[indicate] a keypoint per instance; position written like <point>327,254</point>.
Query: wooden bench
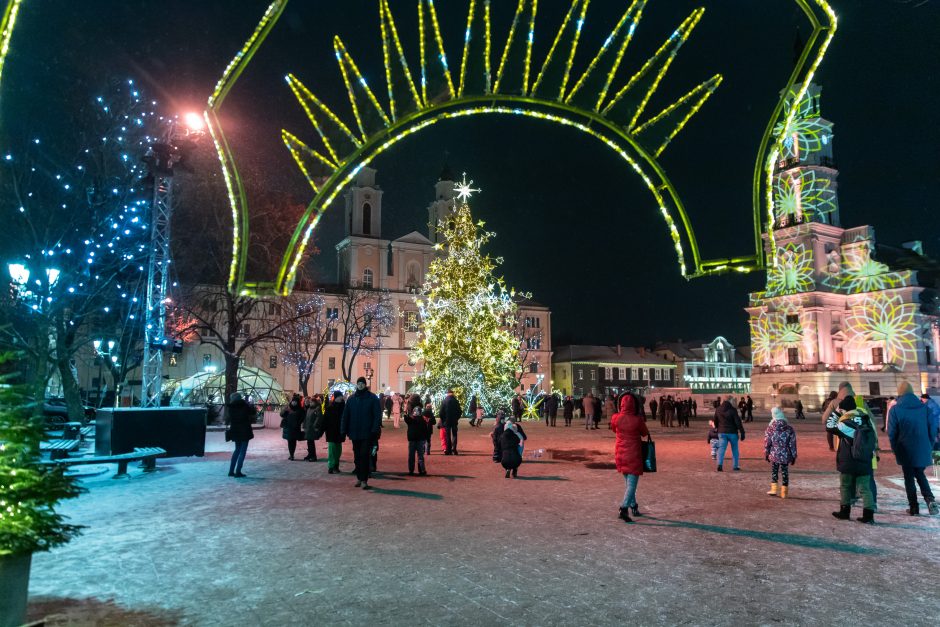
<point>146,455</point>
<point>58,449</point>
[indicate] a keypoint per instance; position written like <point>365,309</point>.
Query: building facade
<point>716,367</point>
<point>368,263</point>
<point>836,306</point>
<point>579,369</point>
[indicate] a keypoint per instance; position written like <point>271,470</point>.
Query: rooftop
<point>608,355</point>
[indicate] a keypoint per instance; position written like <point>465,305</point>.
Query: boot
<point>783,491</point>
<point>844,512</point>
<point>914,509</point>
<point>868,517</point>
<point>625,515</point>
<point>773,489</point>
<point>933,508</point>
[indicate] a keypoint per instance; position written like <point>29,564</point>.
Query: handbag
<point>649,454</point>
<point>228,435</point>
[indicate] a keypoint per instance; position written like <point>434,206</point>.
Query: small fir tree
<point>29,492</point>
<point>467,314</point>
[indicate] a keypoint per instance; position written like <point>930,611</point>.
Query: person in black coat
<point>239,414</point>
<point>551,409</point>
<point>450,416</point>
<point>332,419</point>
<point>847,423</point>
<point>510,444</point>
<point>495,435</point>
<point>362,422</point>
<point>419,430</point>
<point>568,410</point>
<point>292,420</point>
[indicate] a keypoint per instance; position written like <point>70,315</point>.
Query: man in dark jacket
<point>362,421</point>
<point>847,424</point>
<point>551,409</point>
<point>419,430</point>
<point>332,423</point>
<point>450,415</point>
<point>912,433</point>
<point>749,409</point>
<point>728,424</point>
<point>240,415</point>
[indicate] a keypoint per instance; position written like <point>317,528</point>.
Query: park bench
<point>146,455</point>
<point>59,449</point>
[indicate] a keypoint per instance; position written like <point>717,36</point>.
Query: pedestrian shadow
<point>549,478</point>
<point>401,476</point>
<point>790,539</point>
<point>430,496</point>
<point>935,530</point>
<point>89,611</point>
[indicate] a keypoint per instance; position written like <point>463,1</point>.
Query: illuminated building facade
<point>836,306</point>
<point>579,369</point>
<point>716,367</point>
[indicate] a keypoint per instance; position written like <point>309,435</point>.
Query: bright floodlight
<point>194,121</point>
<point>19,273</point>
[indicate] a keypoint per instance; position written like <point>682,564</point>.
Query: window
<point>877,355</point>
<point>244,330</point>
<point>367,278</point>
<point>334,333</point>
<point>580,374</point>
<point>643,376</point>
<point>532,322</point>
<point>272,361</point>
<point>274,309</point>
<point>793,356</point>
<point>332,313</point>
<point>534,367</point>
<point>607,373</point>
<point>533,343</point>
<point>367,366</point>
<point>793,318</point>
<point>622,374</point>
<point>331,364</point>
<point>411,321</point>
<point>634,374</point>
<point>593,375</point>
<point>874,388</point>
<point>366,219</point>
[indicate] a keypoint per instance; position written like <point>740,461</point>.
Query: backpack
<point>863,446</point>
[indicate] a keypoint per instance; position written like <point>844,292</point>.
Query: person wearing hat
<point>779,451</point>
<point>332,419</point>
<point>450,415</point>
<point>362,421</point>
<point>912,432</point>
<point>239,415</point>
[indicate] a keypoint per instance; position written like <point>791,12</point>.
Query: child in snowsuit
<point>712,438</point>
<point>780,451</point>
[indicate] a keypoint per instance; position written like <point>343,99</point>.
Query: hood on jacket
<point>910,401</point>
<point>777,414</point>
<point>628,404</point>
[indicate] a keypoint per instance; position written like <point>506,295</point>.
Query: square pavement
<point>292,545</point>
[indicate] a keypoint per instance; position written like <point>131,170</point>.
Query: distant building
<point>580,369</point>
<point>716,367</point>
<point>837,306</point>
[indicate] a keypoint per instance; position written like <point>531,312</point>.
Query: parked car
<point>56,411</point>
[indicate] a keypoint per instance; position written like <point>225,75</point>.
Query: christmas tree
<point>28,492</point>
<point>467,314</point>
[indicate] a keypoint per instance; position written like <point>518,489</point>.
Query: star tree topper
<point>464,189</point>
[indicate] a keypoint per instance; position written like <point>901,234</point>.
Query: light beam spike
<point>304,95</point>
<point>664,58</point>
<point>347,64</point>
<point>520,6</point>
<point>442,55</point>
<point>297,148</point>
<point>632,17</point>
<point>692,100</point>
<point>562,31</point>
<point>389,38</point>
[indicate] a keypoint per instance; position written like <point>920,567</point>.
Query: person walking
<point>239,414</point>
<point>662,411</point>
<point>598,408</point>
<point>472,410</point>
<point>629,428</point>
<point>912,433</point>
<point>332,430</point>
<point>653,406</point>
<point>313,426</point>
<point>511,447</point>
<point>749,408</point>
<point>588,401</point>
<point>292,421</point>
<point>798,406</point>
<point>609,408</point>
<point>780,451</point>
<point>418,428</point>
<point>729,427</point>
<point>568,410</point>
<point>397,402</point>
<point>551,409</point>
<point>517,406</point>
<point>362,421</point>
<point>827,407</point>
<point>450,416</point>
<point>853,457</point>
<point>694,405</point>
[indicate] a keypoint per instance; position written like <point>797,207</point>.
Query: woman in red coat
<point>629,426</point>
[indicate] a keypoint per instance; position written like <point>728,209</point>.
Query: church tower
<point>363,217</point>
<point>443,204</point>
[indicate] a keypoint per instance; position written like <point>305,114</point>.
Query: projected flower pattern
<point>793,271</point>
<point>803,194</point>
<point>885,321</point>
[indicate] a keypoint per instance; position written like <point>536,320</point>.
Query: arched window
<point>367,278</point>
<point>366,219</point>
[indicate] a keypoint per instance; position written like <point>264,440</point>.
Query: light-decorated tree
<point>467,313</point>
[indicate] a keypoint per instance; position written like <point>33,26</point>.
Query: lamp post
<point>100,355</point>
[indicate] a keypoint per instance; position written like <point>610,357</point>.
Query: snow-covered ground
<point>464,546</point>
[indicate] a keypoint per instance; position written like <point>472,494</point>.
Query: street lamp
<point>100,355</point>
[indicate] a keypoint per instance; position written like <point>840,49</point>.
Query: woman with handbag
<point>629,427</point>
<point>313,426</point>
<point>292,421</point>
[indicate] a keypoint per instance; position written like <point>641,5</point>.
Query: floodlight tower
<point>163,155</point>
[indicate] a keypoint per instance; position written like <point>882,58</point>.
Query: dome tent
<point>256,385</point>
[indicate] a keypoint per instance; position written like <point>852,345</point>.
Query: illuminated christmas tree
<point>467,313</point>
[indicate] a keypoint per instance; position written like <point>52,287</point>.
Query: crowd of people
<point>911,423</point>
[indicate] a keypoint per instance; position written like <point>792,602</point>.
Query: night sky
<point>576,228</point>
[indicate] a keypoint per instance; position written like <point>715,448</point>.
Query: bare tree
<point>530,342</point>
<point>308,327</point>
<point>366,316</point>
